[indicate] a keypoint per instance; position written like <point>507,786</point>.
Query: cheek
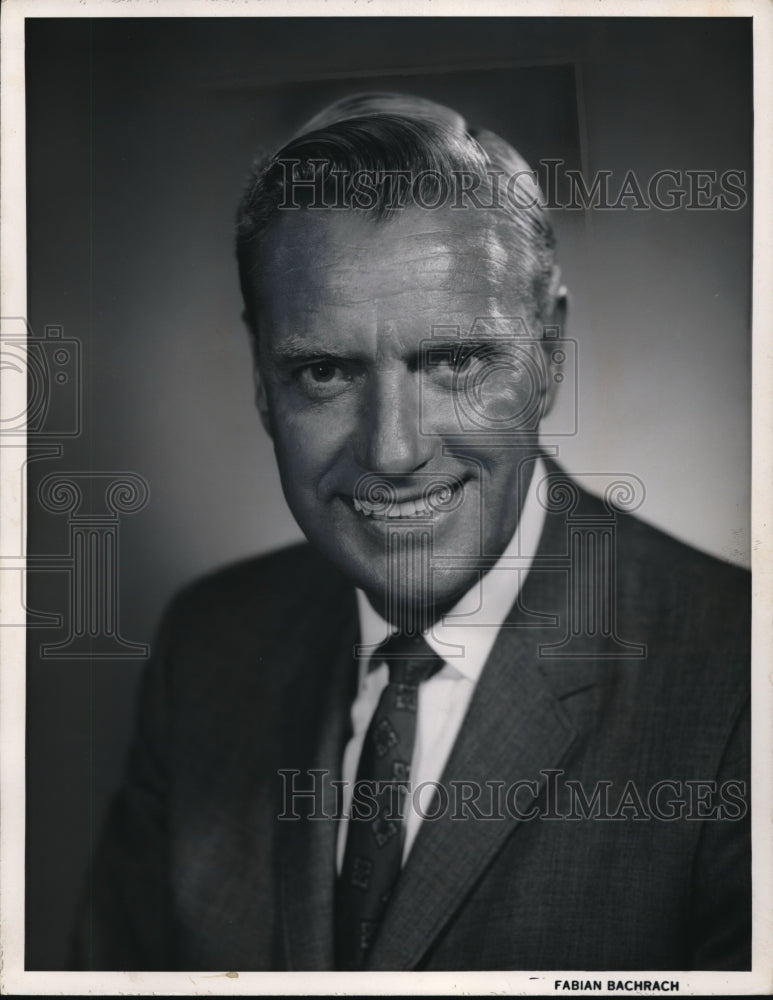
<point>307,443</point>
<point>502,397</point>
<point>440,412</point>
<point>300,449</point>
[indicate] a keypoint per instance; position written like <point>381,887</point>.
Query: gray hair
<point>382,137</point>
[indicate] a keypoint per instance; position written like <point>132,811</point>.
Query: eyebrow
<point>469,343</point>
<point>296,350</point>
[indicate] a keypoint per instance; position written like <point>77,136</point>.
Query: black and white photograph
<point>385,445</point>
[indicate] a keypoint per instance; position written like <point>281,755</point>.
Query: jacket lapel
<point>514,730</point>
<point>318,703</point>
<point>522,721</point>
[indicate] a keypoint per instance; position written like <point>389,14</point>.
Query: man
<point>484,720</point>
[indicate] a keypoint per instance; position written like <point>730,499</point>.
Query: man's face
<point>366,397</point>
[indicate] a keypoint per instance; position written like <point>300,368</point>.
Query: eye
<point>467,357</point>
<point>463,358</point>
<point>322,379</point>
<point>323,371</point>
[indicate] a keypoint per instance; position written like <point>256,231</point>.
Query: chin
<point>411,602</point>
<point>408,586</point>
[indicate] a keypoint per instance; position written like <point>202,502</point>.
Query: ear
<point>556,321</point>
<point>261,398</point>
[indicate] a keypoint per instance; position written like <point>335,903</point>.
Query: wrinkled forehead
<point>339,259</point>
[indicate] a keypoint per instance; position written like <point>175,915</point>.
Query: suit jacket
<point>253,675</point>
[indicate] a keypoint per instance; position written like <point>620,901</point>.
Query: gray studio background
<point>139,136</point>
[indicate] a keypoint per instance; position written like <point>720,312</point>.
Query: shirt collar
<point>465,635</point>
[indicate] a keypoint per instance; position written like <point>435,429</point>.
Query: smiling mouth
<point>430,503</point>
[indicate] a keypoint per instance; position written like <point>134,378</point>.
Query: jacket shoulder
<point>275,578</point>
<point>678,575</point>
<point>249,627</point>
<point>649,557</point>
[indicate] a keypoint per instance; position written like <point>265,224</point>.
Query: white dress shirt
<point>463,638</point>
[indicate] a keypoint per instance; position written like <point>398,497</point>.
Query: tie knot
<point>410,658</point>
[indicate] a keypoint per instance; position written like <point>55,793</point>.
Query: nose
<point>390,439</point>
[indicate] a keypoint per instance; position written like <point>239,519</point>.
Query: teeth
<point>408,508</point>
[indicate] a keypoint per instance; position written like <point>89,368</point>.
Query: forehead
<point>440,266</point>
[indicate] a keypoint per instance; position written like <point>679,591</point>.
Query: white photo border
<point>13,978</point>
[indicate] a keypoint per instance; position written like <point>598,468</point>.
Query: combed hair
<point>382,135</point>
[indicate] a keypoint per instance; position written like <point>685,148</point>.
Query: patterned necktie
<point>374,840</point>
